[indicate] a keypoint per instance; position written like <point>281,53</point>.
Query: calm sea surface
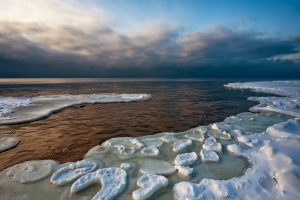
<point>176,105</point>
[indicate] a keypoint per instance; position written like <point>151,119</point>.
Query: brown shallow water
<point>69,134</point>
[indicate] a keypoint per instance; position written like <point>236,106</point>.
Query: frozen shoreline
<point>15,110</point>
<point>272,153</point>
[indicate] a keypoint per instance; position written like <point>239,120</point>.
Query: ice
<point>150,151</point>
<point>113,182</point>
<point>149,184</point>
<point>285,88</point>
<point>208,155</point>
<point>8,142</point>
<point>183,161</point>
<point>24,109</point>
<point>274,173</point>
<point>169,138</point>
<point>32,171</point>
<point>234,149</point>
<point>72,171</point>
<point>285,130</point>
<point>195,135</point>
<point>137,143</point>
<point>127,166</point>
<point>211,144</point>
<point>156,167</point>
<point>157,142</point>
<point>181,145</point>
<point>10,104</point>
<point>186,159</point>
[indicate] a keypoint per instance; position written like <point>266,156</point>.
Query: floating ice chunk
<point>121,148</point>
<point>149,183</point>
<point>72,171</point>
<point>8,142</point>
<point>184,170</point>
<point>32,171</point>
<point>215,127</point>
<point>156,167</point>
<point>137,143</point>
<point>157,142</point>
<point>186,159</point>
<point>127,166</point>
<point>211,144</point>
<point>181,145</point>
<point>113,181</point>
<point>208,155</point>
<point>150,151</point>
<point>182,161</point>
<point>169,138</point>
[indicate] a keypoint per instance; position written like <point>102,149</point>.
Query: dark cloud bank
<point>27,50</point>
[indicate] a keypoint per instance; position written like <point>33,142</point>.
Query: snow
<point>113,182</point>
<point>24,109</point>
<point>211,144</point>
<point>208,155</point>
<point>31,171</point>
<point>137,143</point>
<point>149,184</point>
<point>72,172</point>
<point>182,145</point>
<point>150,151</point>
<point>183,161</point>
<point>186,159</point>
<point>8,142</point>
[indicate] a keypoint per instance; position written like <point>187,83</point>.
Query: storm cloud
<point>87,44</point>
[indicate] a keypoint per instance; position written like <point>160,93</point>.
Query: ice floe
<point>211,144</point>
<point>149,184</point>
<point>113,182</point>
<point>32,171</point>
<point>208,155</point>
<point>72,171</point>
<point>8,142</point>
<point>25,109</point>
<point>150,151</point>
<point>182,145</point>
<point>183,161</point>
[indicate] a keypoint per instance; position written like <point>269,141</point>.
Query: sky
<point>153,38</point>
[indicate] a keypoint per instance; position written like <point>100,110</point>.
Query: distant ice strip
<point>284,88</point>
<point>289,105</point>
<point>25,109</point>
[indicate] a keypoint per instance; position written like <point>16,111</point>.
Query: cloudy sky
<point>153,38</point>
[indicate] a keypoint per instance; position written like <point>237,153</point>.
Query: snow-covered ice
<point>208,155</point>
<point>113,182</point>
<point>183,161</point>
<point>72,171</point>
<point>211,144</point>
<point>150,151</point>
<point>149,184</point>
<point>25,109</point>
<point>8,142</point>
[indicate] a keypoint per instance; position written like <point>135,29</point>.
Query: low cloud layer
<point>72,42</point>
